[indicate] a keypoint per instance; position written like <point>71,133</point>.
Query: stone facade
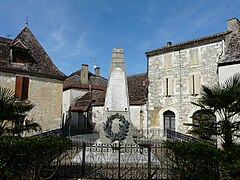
<point>175,78</point>
<point>45,94</point>
<point>26,68</point>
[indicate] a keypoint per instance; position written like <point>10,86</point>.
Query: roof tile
<point>37,61</point>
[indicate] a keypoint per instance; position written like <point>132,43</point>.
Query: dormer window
<point>18,52</point>
<point>18,57</point>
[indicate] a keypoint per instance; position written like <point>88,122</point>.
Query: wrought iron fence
<point>144,160</point>
<point>176,136</point>
<point>105,161</point>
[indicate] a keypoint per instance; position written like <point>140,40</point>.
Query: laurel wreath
<point>123,128</point>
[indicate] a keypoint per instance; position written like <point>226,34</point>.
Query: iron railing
<point>106,161</point>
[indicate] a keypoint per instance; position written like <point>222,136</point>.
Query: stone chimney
<point>233,24</point>
<point>84,74</point>
<point>97,71</point>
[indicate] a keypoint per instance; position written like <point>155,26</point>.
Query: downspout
<point>180,88</point>
<point>147,104</point>
<point>221,54</point>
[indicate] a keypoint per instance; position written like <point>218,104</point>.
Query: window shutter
<point>168,61</point>
<point>25,88</point>
<point>197,84</point>
<point>193,56</point>
<point>18,87</point>
<point>165,87</point>
<point>191,83</point>
<point>170,86</point>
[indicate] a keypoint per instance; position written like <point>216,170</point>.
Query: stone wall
<point>180,70</point>
<point>45,94</point>
<point>7,80</point>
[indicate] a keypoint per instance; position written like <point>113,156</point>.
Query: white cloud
<point>79,47</point>
<point>57,39</point>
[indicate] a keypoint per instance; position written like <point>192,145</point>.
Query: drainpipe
<point>180,88</point>
<point>147,104</point>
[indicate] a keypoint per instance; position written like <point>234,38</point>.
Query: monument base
<point>101,153</point>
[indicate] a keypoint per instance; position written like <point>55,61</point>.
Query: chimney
<point>169,43</point>
<point>97,71</point>
<point>233,24</point>
<point>84,74</point>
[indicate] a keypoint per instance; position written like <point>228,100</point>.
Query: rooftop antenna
<point>95,62</point>
<point>26,22</point>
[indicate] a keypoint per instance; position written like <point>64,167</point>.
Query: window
<point>169,120</point>
<point>194,85</point>
<point>18,57</point>
<point>21,87</point>
<point>193,53</point>
<point>169,86</point>
<point>168,61</point>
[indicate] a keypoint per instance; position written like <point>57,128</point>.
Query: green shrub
<point>27,158</point>
<point>193,160</point>
<point>230,163</point>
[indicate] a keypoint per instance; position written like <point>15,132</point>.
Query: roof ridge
<point>219,34</point>
<point>136,74</point>
<point>20,33</point>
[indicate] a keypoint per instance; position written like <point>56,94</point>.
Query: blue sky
<point>75,32</point>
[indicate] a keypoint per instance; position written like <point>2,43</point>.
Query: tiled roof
<point>4,40</point>
<point>187,44</point>
<point>93,80</point>
<point>137,90</point>
<point>232,53</point>
<point>37,61</point>
<point>83,103</point>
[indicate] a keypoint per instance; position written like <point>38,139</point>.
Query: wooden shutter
<point>170,86</point>
<point>191,85</point>
<point>168,61</point>
<point>164,81</point>
<point>21,87</point>
<point>197,84</point>
<point>25,88</point>
<point>193,56</point>
<point>18,87</point>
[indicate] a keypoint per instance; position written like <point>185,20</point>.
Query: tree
<point>13,114</point>
<point>223,100</point>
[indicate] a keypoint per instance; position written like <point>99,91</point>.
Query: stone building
<point>84,96</point>
<point>177,71</point>
<point>27,69</point>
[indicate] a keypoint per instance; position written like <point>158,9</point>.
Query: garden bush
<point>193,160</point>
<point>30,157</point>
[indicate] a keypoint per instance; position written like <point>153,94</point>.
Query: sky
<point>76,32</point>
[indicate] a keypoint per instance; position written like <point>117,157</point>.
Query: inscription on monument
<point>116,97</point>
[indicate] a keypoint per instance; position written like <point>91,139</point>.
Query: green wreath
<point>123,128</point>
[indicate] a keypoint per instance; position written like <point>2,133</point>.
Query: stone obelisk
<point>117,126</point>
